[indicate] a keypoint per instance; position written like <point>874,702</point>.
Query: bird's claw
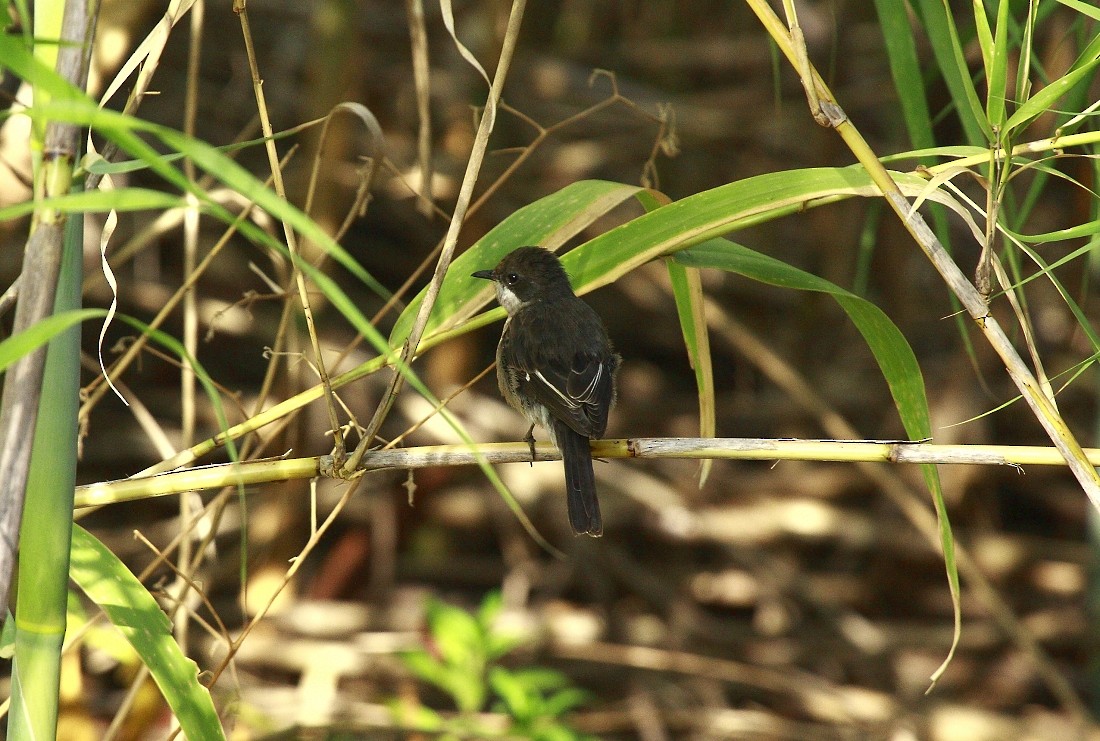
<point>530,440</point>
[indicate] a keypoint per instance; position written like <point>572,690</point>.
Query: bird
<point>556,366</point>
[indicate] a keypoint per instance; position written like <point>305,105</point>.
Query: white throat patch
<point>508,299</point>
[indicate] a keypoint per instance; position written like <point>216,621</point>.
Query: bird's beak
<point>486,274</point>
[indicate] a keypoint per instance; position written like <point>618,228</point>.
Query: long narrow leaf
<point>135,613</point>
<point>901,50</point>
<point>71,105</point>
<point>1045,99</point>
<point>687,288</point>
<point>1082,7</point>
<point>97,201</point>
<point>997,67</point>
<point>34,337</point>
<point>894,356</point>
<point>942,34</point>
<point>985,36</point>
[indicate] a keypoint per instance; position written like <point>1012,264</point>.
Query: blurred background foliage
<point>788,601</point>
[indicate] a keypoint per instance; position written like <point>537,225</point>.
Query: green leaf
<point>512,691</point>
<point>45,538</point>
<point>901,51</point>
<point>567,699</point>
<point>16,56</point>
<point>499,644</point>
<point>1044,100</point>
<point>425,666</point>
<point>7,636</point>
<point>939,27</point>
<point>490,609</point>
<point>456,633</point>
<point>100,166</point>
<point>687,288</point>
<point>539,679</point>
<point>132,610</point>
<point>548,222</point>
<point>985,36</point>
<point>42,332</point>
<point>459,641</point>
<point>417,717</point>
<point>894,356</point>
<point>123,199</point>
<point>1082,7</point>
<point>997,65</point>
<point>73,106</point>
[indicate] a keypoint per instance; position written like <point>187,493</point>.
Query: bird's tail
<point>580,481</point>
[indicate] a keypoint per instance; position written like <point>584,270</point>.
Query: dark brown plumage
<point>556,366</point>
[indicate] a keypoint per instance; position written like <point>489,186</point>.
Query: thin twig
<point>465,195</point>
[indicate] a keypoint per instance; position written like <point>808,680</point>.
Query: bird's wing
<point>578,394</point>
<point>574,381</point>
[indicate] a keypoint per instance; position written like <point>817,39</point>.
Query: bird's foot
<point>530,439</point>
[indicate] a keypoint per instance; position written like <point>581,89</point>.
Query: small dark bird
<point>556,366</point>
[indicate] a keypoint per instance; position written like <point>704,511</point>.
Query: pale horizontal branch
<point>267,471</point>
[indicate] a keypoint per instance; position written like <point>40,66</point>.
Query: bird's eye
<point>511,279</point>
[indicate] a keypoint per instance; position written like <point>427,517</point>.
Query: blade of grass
<point>687,288</point>
<point>901,51</point>
<point>939,27</point>
<point>996,62</point>
<point>131,609</point>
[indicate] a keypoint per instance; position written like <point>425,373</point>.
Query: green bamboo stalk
<point>38,411</point>
<point>54,155</point>
<point>47,522</point>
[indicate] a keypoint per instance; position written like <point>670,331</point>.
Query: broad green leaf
<point>541,679</point>
<point>548,222</point>
<point>132,610</point>
<point>565,700</point>
<point>512,691</point>
<point>455,632</point>
<point>416,717</point>
<point>894,356</point>
<point>719,211</point>
<point>425,666</point>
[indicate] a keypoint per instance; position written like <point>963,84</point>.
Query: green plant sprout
<point>463,659</point>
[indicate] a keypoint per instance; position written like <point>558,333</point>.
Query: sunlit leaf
<point>131,609</point>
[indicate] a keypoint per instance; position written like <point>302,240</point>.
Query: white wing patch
<point>584,397</point>
<point>566,400</point>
